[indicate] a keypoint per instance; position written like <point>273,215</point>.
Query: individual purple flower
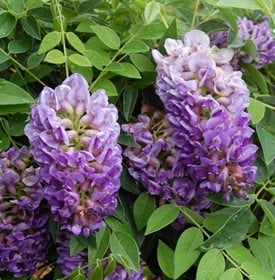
<point>205,101</point>
<point>24,233</point>
<point>73,137</point>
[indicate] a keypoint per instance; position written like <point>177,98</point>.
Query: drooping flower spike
<point>205,101</point>
<point>24,232</point>
<point>73,137</point>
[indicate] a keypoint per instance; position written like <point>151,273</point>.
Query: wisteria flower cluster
<point>24,232</point>
<point>152,162</point>
<point>68,263</point>
<point>73,137</point>
<point>259,33</point>
<point>205,101</point>
<point>203,144</point>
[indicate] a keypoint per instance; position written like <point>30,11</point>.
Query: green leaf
<point>110,267</point>
<point>234,202</point>
<point>129,70</point>
<point>271,191</point>
<point>31,27</point>
<point>95,58</point>
<point>244,4</point>
<point>230,17</point>
<point>17,124</point>
<point>192,216</point>
<point>80,60</point>
<point>151,11</point>
<point>96,273</point>
<point>4,141</point>
<point>257,77</point>
<point>142,63</point>
<point>7,24</point>
<point>124,69</point>
<point>124,245</point>
<point>257,110</point>
<point>240,254</point>
<point>54,228</point>
<point>50,41</point>
<point>102,242</point>
<point>251,49</point>
<point>143,208</point>
<point>232,274</point>
<point>269,210</point>
<point>161,217</point>
<point>165,257</point>
<point>130,95</point>
<point>261,254</point>
<point>126,140</point>
<point>55,57</point>
<point>149,31</point>
<point>11,94</point>
<point>128,183</point>
<point>266,133</point>
<point>211,266</point>
<point>233,231</point>
<point>12,109</point>
<point>3,57</point>
<point>256,272</point>
<point>269,242</point>
<point>79,277</point>
<point>17,6</point>
<point>266,226</point>
<point>107,36</point>
<point>186,252</point>
<point>118,226</point>
<point>135,46</point>
<point>75,41</point>
<point>114,67</point>
<point>214,221</point>
<point>76,245</point>
<point>34,60</point>
<point>212,25</point>
<point>19,46</point>
<point>171,32</point>
<point>107,85</point>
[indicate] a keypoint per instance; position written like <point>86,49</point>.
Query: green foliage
<point>211,266</point>
<point>161,217</point>
<point>110,43</point>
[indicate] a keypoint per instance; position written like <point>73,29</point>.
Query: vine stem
<point>197,4</point>
<point>208,236</point>
<point>22,67</point>
<point>104,71</point>
<point>61,24</point>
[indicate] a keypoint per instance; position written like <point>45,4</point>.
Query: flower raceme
<point>73,137</point>
<point>205,101</point>
<point>24,232</point>
<point>152,162</point>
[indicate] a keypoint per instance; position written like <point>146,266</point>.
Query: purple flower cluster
<point>205,101</point>
<point>73,137</point>
<point>68,263</point>
<point>152,162</point>
<point>259,33</point>
<point>24,234</point>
